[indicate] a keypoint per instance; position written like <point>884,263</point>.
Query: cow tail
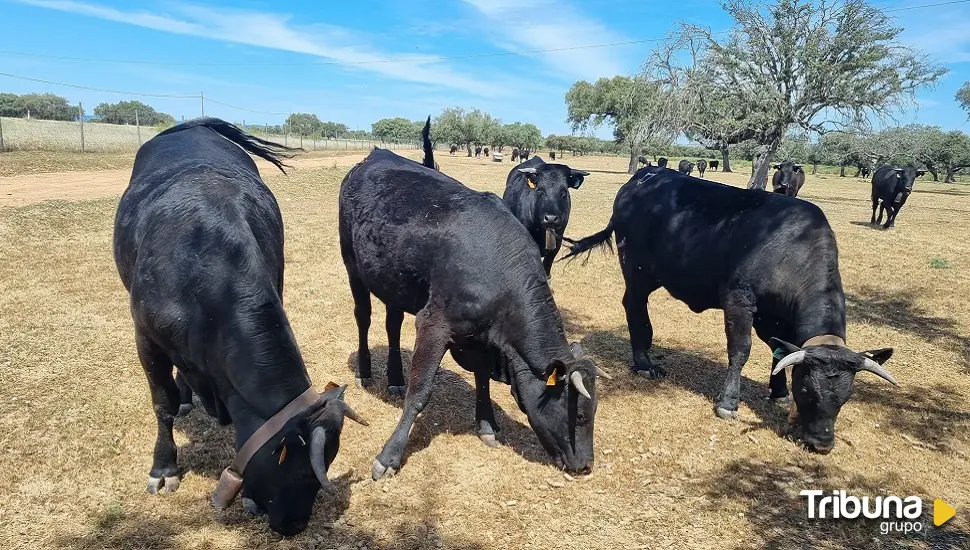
<point>588,244</point>
<point>268,150</point>
<point>428,148</point>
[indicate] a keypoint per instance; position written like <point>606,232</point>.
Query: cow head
<point>551,183</point>
<point>662,162</point>
<point>821,382</point>
<point>283,477</point>
<point>905,179</point>
<point>562,414</point>
<point>784,180</point>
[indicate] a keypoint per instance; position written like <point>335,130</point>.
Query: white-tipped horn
<point>352,414</point>
<point>527,170</point>
<point>789,360</point>
<point>603,373</point>
<point>576,379</point>
<point>876,368</point>
<point>318,461</point>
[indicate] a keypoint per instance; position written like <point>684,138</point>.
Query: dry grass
<point>77,430</point>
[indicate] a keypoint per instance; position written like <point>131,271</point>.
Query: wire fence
<point>23,134</point>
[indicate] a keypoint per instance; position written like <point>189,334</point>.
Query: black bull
<point>770,262</point>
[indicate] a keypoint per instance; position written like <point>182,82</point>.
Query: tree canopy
<point>466,128</point>
<point>398,129</point>
<point>963,97</point>
<point>123,112</point>
<point>40,106</point>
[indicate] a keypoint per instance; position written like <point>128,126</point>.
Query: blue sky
<point>327,56</point>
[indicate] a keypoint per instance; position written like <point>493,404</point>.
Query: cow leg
<point>875,205</point>
<point>549,257</point>
<point>395,369</point>
<point>778,385</point>
<point>882,209</point>
<point>429,347</point>
<point>641,333</point>
<point>185,394</point>
<point>891,216</point>
<point>738,320</point>
<point>484,412</point>
<point>164,475</point>
<point>362,315</point>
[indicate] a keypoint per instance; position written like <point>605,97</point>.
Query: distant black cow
<point>552,155</point>
<point>478,151</point>
<point>662,162</point>
<point>865,171</point>
<point>712,165</point>
<point>459,261</point>
<point>768,261</point>
<point>537,193</point>
<point>524,155</point>
<point>642,161</point>
<point>685,167</point>
<point>485,151</point>
<point>198,242</point>
<point>454,149</point>
<point>701,167</point>
<point>890,189</point>
<point>788,179</point>
<point>515,154</point>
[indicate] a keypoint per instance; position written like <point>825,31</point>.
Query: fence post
<point>80,117</point>
<point>202,98</point>
<point>137,127</point>
<point>1,135</point>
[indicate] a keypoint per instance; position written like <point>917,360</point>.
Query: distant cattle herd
<point>198,243</point>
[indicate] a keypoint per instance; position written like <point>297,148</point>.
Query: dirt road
<point>71,186</point>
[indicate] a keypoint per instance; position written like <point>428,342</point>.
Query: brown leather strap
<point>272,427</point>
<point>824,340</point>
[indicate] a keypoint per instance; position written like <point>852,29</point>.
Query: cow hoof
<point>251,508</point>
<point>650,373</point>
<point>488,439</point>
<point>362,382</point>
<point>399,391</point>
<point>783,400</point>
<point>184,409</point>
<point>378,471</point>
<point>159,485</point>
<point>726,414</point>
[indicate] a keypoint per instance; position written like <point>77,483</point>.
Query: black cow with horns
<point>767,260</point>
<point>198,241</point>
<point>537,193</point>
<point>413,237</point>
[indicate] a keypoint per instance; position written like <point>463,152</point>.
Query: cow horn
<point>603,373</point>
<point>789,360</point>
<point>527,170</point>
<point>318,459</point>
<point>352,414</point>
<point>576,379</point>
<point>876,368</point>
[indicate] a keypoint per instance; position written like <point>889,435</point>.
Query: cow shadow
<point>769,494</point>
<point>868,225</point>
<point>948,192</point>
<point>693,372</point>
<point>614,172</point>
<point>451,409</point>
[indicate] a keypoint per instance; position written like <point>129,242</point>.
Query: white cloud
<point>274,31</point>
<point>558,26</point>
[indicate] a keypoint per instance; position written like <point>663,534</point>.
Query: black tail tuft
<point>587,244</point>
<point>268,150</point>
<point>428,147</point>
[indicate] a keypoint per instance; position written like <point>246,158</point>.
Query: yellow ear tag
<point>331,385</point>
<point>282,455</point>
<point>532,184</point>
<point>551,381</point>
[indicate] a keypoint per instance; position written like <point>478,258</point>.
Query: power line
<point>236,107</point>
<point>927,6</point>
<point>369,62</point>
<point>79,87</point>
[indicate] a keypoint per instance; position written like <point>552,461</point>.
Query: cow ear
<point>555,373</point>
<point>776,166</point>
<point>576,178</point>
<point>781,347</point>
<point>879,355</point>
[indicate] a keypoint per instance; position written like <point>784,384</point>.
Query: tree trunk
<point>725,160</point>
<point>814,168</point>
<point>934,173</point>
<point>950,172</point>
<point>633,162</point>
<point>858,170</point>
<point>762,164</point>
<point>842,171</point>
<point>468,147</point>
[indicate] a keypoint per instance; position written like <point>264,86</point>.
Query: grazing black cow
<point>454,149</point>
<point>642,160</point>
<point>413,237</point>
<point>865,171</point>
<point>524,155</point>
<point>712,165</point>
<point>788,179</point>
<point>485,151</point>
<point>768,261</point>
<point>890,189</point>
<point>478,151</point>
<point>198,242</point>
<point>537,193</point>
<point>515,154</point>
<point>701,167</point>
<point>685,167</point>
<point>552,155</point>
<point>662,162</point>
